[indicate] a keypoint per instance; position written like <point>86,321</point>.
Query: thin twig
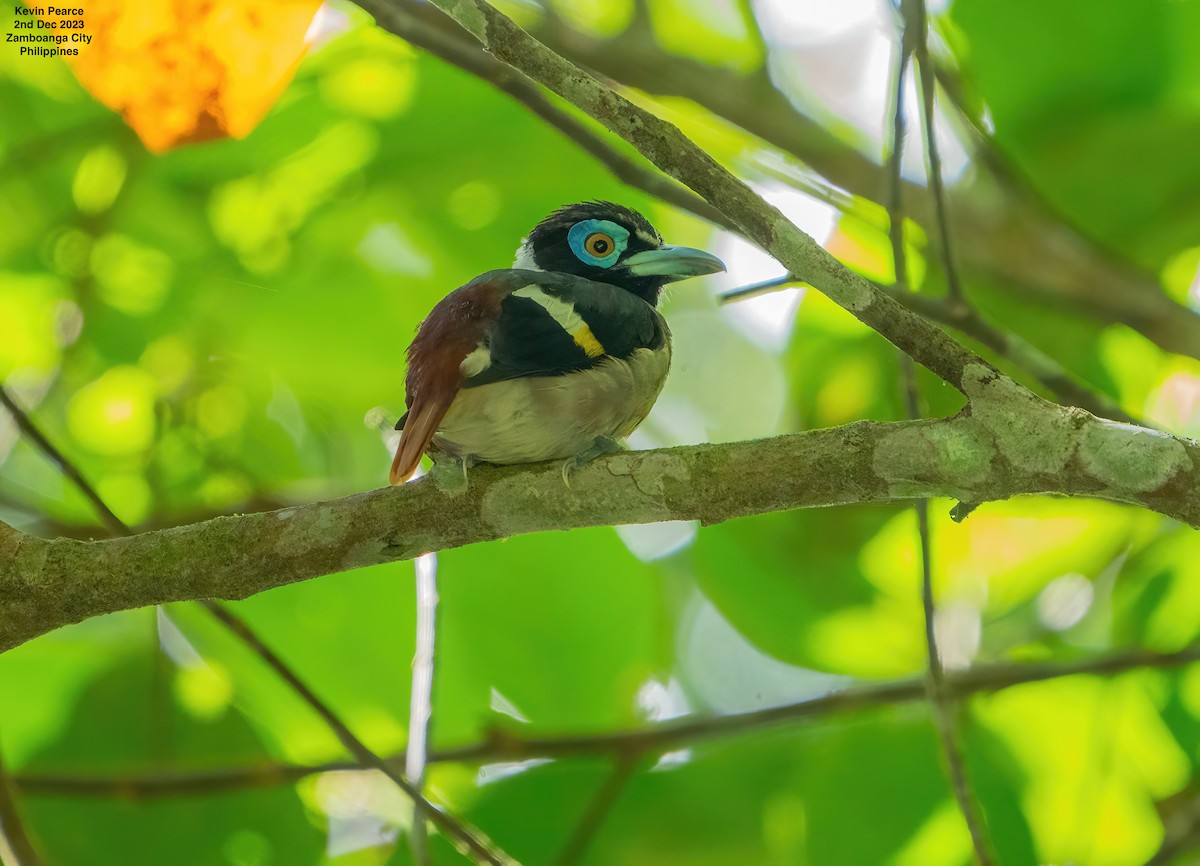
<point>15,842</point>
<point>757,290</point>
<point>35,435</point>
<point>421,702</point>
<point>916,35</point>
<point>483,850</point>
<point>597,810</point>
<point>895,206</point>
<point>943,705</point>
<point>653,740</point>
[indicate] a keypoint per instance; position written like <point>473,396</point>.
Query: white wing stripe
<point>561,311</point>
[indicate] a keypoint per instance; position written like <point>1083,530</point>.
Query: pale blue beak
<point>675,263</point>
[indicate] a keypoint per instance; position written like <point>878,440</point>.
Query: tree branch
<point>653,740</point>
<point>425,26</point>
<point>1005,236</point>
<point>471,840</point>
<point>668,148</point>
<point>1008,443</point>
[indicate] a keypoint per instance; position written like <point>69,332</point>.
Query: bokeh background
<point>207,331</point>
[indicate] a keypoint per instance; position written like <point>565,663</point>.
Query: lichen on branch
<point>1006,443</point>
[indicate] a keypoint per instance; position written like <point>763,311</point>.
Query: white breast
<point>550,417</point>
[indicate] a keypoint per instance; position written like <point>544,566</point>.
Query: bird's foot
<point>601,446</point>
<point>450,472</point>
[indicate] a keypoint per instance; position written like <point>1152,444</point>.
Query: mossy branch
<point>1008,442</point>
<point>674,153</point>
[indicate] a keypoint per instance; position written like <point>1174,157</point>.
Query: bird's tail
<point>420,425</point>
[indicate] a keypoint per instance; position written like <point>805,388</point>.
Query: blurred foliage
<point>204,332</point>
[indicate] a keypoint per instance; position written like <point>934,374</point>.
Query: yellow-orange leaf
<point>190,70</point>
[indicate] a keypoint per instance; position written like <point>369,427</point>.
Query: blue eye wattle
<point>598,242</point>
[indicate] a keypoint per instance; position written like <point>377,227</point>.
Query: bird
<point>560,356</point>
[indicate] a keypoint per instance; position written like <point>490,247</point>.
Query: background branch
<point>480,848</point>
<point>912,43</point>
<point>944,705</point>
<point>916,37</point>
<point>34,434</point>
<point>668,148</point>
<point>1006,236</point>
<point>421,699</point>
<point>657,739</point>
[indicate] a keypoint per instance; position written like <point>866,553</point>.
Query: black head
<point>611,244</point>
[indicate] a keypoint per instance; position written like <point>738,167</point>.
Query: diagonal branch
<point>426,27</point>
<point>481,849</point>
<point>429,28</point>
<point>1006,237</point>
<point>34,434</point>
<point>1009,443</point>
<point>669,149</point>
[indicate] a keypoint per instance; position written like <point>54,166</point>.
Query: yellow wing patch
<point>586,340</point>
